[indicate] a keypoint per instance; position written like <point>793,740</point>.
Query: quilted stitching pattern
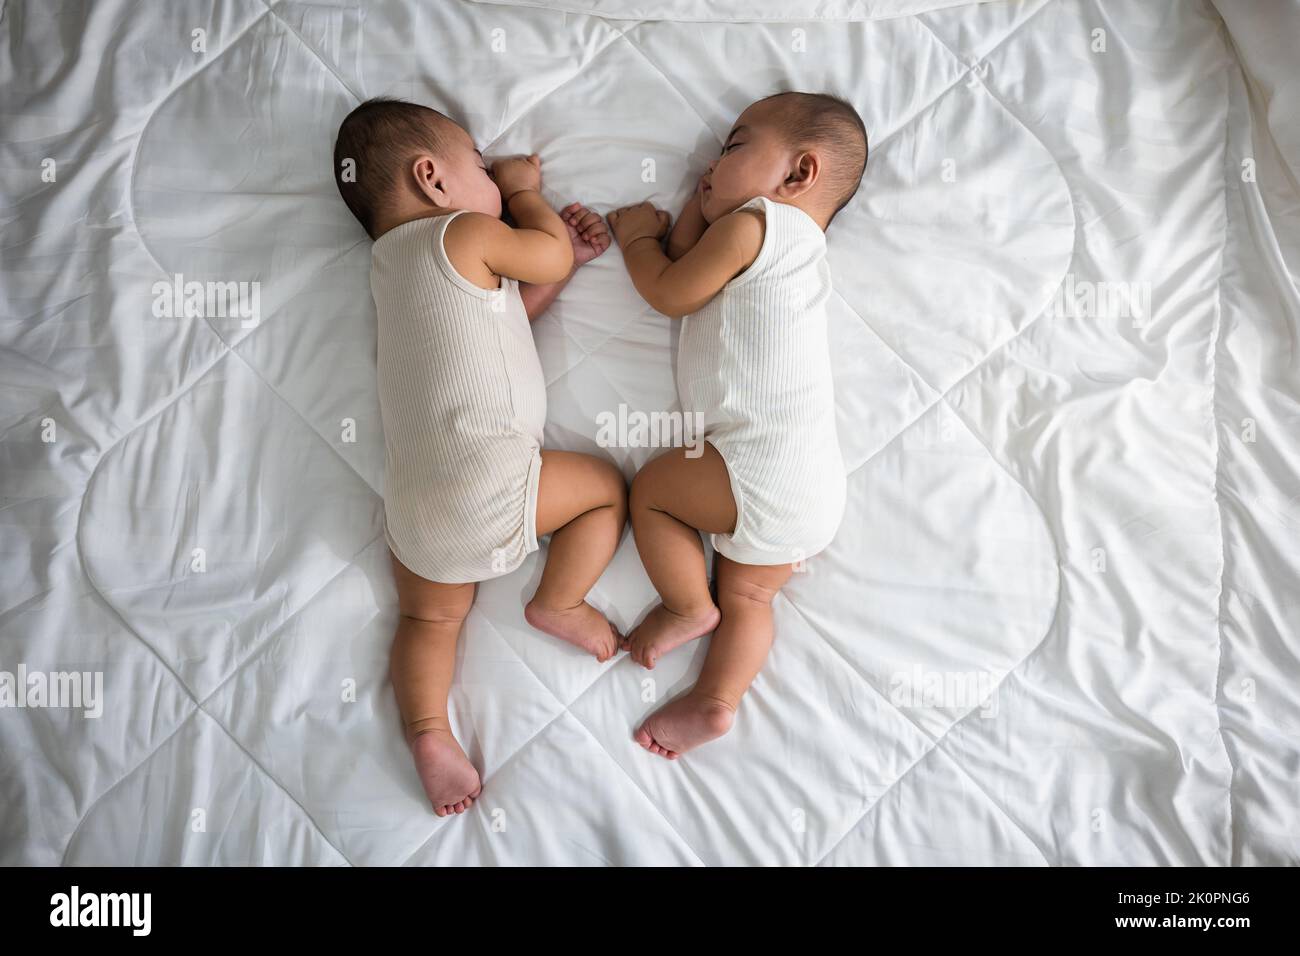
<point>249,375</point>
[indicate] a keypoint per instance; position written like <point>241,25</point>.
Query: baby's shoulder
<point>470,228</point>
<point>743,229</point>
<point>468,242</point>
<point>750,217</point>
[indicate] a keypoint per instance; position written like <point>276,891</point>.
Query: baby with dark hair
<point>468,488</point>
<point>745,270</point>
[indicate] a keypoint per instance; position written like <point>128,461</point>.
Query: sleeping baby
<point>468,488</point>
<point>745,270</point>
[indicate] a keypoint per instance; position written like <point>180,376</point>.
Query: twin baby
<point>470,490</point>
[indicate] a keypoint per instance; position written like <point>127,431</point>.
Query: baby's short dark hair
<point>378,138</point>
<point>820,119</point>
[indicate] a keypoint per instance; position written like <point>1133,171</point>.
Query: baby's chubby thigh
<point>582,505</point>
<point>572,484</point>
<point>674,497</point>
<point>692,484</point>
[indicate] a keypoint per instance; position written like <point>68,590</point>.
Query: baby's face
<point>466,178</point>
<point>754,162</point>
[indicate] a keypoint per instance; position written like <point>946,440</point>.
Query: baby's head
<point>808,149</point>
<point>408,161</point>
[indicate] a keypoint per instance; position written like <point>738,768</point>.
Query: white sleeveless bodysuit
<point>755,363</point>
<point>463,400</point>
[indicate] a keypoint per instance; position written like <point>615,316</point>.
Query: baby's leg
<point>736,655</point>
<point>582,505</point>
<point>421,666</point>
<point>675,497</point>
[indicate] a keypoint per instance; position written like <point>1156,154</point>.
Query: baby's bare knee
<point>738,593</point>
<point>614,487</point>
<point>447,606</point>
<point>642,495</point>
<point>744,586</point>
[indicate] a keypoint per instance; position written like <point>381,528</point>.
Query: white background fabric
<point>1065,504</point>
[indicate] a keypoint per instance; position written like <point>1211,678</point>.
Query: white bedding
<point>1093,518</point>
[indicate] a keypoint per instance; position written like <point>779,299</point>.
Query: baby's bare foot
<point>684,724</point>
<point>582,626</point>
<point>663,630</point>
<point>449,779</point>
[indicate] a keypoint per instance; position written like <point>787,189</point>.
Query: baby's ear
<point>803,175</point>
<point>429,180</point>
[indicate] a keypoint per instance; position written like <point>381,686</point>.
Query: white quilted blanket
<point>1058,626</point>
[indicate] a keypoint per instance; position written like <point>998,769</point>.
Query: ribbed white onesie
<point>755,363</point>
<point>463,400</point>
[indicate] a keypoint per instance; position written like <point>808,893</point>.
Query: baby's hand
<point>517,173</point>
<point>635,222</point>
<point>587,232</point>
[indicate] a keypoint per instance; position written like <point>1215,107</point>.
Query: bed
<point>1059,625</point>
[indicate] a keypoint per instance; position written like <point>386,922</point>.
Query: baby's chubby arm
<point>589,237</point>
<point>726,249</point>
<point>538,250</point>
<point>690,225</point>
